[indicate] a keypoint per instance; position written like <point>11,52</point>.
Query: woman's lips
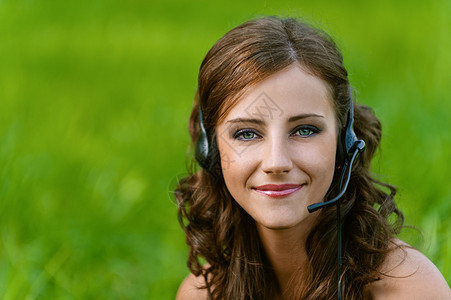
<point>278,190</point>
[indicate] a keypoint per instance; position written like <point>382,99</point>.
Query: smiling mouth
<point>278,190</point>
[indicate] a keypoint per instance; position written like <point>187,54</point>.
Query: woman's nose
<point>276,157</point>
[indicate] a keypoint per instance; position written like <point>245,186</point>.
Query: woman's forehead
<point>286,93</point>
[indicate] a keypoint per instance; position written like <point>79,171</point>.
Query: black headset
<point>348,148</point>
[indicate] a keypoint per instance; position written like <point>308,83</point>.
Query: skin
<point>296,145</point>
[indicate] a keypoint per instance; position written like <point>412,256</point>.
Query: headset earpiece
<point>206,151</point>
<point>348,141</point>
<point>202,146</point>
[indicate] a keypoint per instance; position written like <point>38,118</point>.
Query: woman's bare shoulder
<point>191,288</point>
<point>408,275</point>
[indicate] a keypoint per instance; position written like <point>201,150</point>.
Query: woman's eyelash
<point>245,135</point>
<point>306,130</point>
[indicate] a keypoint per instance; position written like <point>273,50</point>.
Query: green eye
<point>245,135</point>
<point>305,132</point>
<point>248,135</point>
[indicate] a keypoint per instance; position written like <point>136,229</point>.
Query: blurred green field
<point>94,102</point>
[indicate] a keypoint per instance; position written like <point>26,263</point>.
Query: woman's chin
<point>277,226</point>
<point>287,222</point>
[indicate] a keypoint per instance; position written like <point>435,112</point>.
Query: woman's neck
<point>285,249</point>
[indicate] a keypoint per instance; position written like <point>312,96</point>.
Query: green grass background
<point>94,102</point>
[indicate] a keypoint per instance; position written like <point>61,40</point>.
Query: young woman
<point>271,123</point>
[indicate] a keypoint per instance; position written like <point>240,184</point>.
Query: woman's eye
<point>245,135</point>
<point>306,131</point>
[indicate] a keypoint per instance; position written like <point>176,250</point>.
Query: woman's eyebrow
<point>262,122</point>
<point>304,116</point>
<point>244,120</point>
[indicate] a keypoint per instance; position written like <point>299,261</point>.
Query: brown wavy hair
<point>219,232</point>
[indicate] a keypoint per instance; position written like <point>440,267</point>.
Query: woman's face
<point>277,147</point>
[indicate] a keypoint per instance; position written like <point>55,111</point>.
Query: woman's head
<point>255,51</point>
